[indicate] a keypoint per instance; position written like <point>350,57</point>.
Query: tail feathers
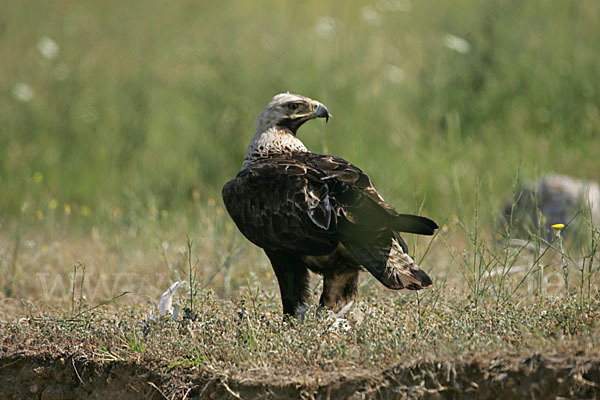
<point>390,264</point>
<point>414,224</point>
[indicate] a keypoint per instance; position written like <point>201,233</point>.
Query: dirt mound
<point>536,376</point>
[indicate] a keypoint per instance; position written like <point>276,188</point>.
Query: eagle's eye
<point>293,106</point>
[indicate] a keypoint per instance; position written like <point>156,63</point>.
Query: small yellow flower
<point>85,211</point>
<point>164,213</point>
<point>39,214</point>
<point>38,177</point>
<point>67,209</point>
<point>52,204</point>
<point>558,226</point>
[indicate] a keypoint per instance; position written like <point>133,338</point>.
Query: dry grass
<point>100,194</point>
<point>63,297</point>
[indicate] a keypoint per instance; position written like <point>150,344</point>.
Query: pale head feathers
<point>278,122</point>
<point>276,109</point>
<point>290,111</point>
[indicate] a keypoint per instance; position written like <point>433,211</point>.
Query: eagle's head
<point>290,111</point>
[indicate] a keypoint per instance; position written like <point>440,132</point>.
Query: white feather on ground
<point>165,304</point>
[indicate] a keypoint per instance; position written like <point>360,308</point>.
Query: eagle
<point>319,213</point>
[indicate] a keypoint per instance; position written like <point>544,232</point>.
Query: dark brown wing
<point>283,204</point>
<point>369,227</point>
<point>308,202</point>
<point>359,201</point>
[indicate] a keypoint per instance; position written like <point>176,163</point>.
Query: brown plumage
<point>317,212</point>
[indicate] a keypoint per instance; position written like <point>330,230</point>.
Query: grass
<point>139,117</point>
<point>246,339</point>
<point>487,301</point>
<point>120,125</point>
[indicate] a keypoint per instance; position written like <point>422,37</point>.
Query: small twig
<point>163,253</point>
<point>191,272</point>
<point>231,392</point>
<point>159,391</point>
<point>225,265</point>
<point>186,394</point>
<point>9,364</point>
<point>100,304</point>
<point>13,271</point>
<point>75,368</point>
<point>205,387</point>
<point>133,387</point>
<point>565,265</point>
<point>73,290</point>
<point>581,379</point>
<point>433,238</point>
<point>82,265</point>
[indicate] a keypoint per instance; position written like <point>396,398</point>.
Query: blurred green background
<point>122,108</point>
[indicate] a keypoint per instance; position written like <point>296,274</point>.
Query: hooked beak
<point>295,121</point>
<point>321,112</point>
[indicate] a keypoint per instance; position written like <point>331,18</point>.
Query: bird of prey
<point>317,212</point>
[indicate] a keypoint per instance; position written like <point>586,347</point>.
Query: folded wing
<point>309,203</point>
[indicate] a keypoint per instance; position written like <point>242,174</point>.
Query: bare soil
<point>51,376</point>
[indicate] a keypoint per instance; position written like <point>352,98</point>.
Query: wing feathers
<point>281,212</point>
<point>414,224</point>
<point>387,261</point>
<point>307,203</point>
<point>319,206</point>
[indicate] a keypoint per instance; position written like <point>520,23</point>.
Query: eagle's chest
<point>272,142</point>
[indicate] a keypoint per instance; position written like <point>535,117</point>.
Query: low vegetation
<point>120,124</point>
<point>493,306</point>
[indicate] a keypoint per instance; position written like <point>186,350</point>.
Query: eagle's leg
<point>293,279</point>
<point>339,288</point>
